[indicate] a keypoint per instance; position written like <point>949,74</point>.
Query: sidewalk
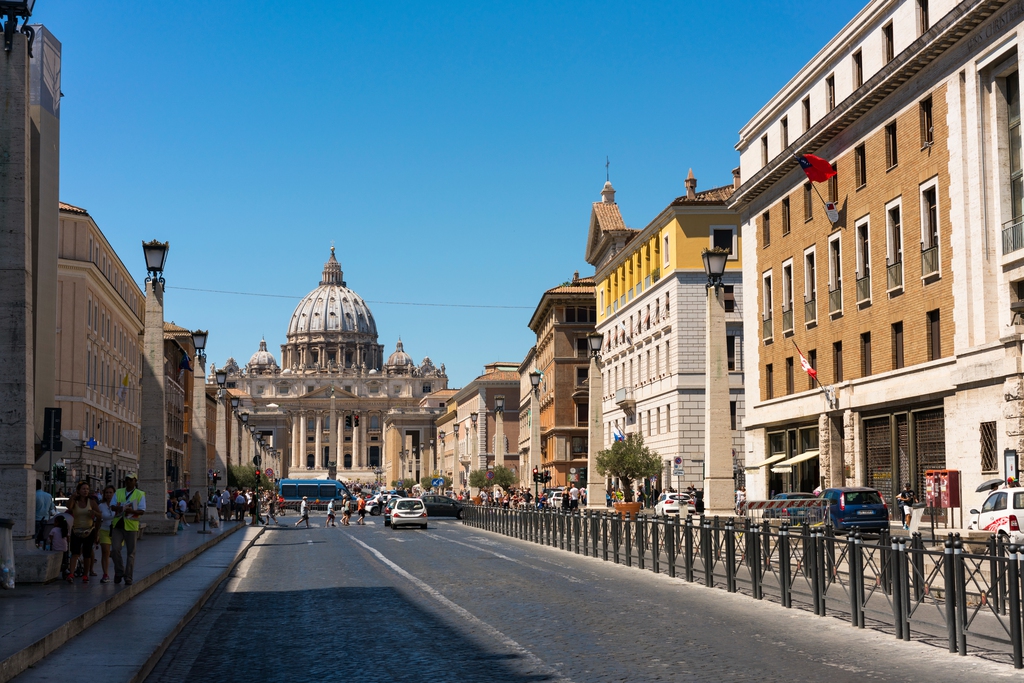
<point>37,619</point>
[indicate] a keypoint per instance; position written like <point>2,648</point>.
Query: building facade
<point>100,313</point>
<point>564,317</point>
<point>908,295</point>
<point>651,306</point>
<point>324,410</point>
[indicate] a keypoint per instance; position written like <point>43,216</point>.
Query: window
<point>922,16</point>
<point>785,216</point>
<point>784,126</point>
<point>789,375</point>
<point>934,338</point>
<point>668,419</point>
<point>897,345</point>
<point>1013,121</point>
<point>891,156</point>
<point>863,249</point>
<point>722,238</point>
<point>989,462</point>
<point>833,186</point>
<point>582,414</point>
<point>837,361</point>
<point>858,69</point>
<point>729,298</point>
<point>927,129</point>
<point>787,295</point>
<point>769,382</point>
<point>860,166</point>
<point>764,150</point>
<point>581,376</point>
<point>665,250</point>
<point>767,299</point>
<point>806,108</point>
<point>812,360</point>
<point>730,352</point>
<point>766,229</point>
<point>835,264</point>
<point>929,231</point>
<point>732,415</point>
<point>894,245</point>
<point>582,348</point>
<point>808,203</point>
<point>810,286</point>
<point>830,93</point>
<point>570,314</point>
<point>865,354</point>
<point>888,48</point>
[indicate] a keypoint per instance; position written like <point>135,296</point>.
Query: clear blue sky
<point>451,150</point>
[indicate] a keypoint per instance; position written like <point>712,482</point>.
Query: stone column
<point>198,465</point>
<point>319,441</point>
<point>499,438</point>
<point>220,461</point>
<point>830,452</point>
<point>719,486</point>
<point>152,456</point>
<point>17,380</point>
<point>595,436</point>
<point>357,442</point>
<point>333,454</point>
<point>296,444</point>
<point>535,448</point>
<point>339,428</point>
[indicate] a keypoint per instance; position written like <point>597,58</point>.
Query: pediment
<point>325,392</point>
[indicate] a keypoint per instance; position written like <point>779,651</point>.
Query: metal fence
<point>959,595</point>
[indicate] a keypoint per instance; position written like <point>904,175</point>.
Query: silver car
<point>409,512</point>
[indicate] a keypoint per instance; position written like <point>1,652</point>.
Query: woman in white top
<point>104,537</point>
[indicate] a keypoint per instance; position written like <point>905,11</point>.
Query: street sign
<point>91,443</point>
<point>490,474</point>
<point>572,470</point>
<point>270,473</point>
<point>209,473</point>
<point>677,461</point>
<point>437,481</point>
<point>257,460</point>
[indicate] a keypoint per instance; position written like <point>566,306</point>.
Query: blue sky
<point>450,150</point>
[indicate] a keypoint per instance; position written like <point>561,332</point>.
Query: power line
<point>369,301</point>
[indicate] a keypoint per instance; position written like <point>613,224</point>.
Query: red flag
<point>807,367</point>
<point>815,168</point>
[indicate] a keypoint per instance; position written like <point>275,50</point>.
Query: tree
<point>627,461</point>
<point>244,477</point>
<point>503,477</point>
<point>478,479</point>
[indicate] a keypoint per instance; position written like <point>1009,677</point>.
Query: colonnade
<point>335,441</point>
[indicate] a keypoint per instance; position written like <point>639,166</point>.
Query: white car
<point>409,512</point>
<point>673,504</point>
<point>1001,513</point>
<point>60,505</point>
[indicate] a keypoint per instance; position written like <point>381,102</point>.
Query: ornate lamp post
<point>473,444</point>
<point>535,447</point>
<point>152,456</point>
<point>718,475</point>
<point>499,436</point>
<point>198,464</point>
<point>595,435</point>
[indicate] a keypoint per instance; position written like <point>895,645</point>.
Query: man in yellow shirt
<point>128,505</point>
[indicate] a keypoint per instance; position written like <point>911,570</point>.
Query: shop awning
<point>775,458</point>
<point>806,455</point>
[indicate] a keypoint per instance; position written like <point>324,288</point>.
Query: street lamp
<point>222,377</point>
<point>12,9</point>
<point>718,472</point>
<point>499,430</point>
<point>156,256</point>
<point>595,388</point>
<point>234,404</point>
<point>535,449</point>
<point>199,341</point>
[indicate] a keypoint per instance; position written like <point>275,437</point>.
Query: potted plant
<point>629,460</point>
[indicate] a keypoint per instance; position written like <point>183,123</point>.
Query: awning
<point>806,455</point>
<point>775,458</point>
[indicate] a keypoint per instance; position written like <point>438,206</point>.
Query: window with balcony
<point>766,306</point>
<point>810,287</point>
<point>929,230</point>
<point>894,247</point>
<point>863,237</point>
<point>1013,230</point>
<point>787,296</point>
<point>835,276</point>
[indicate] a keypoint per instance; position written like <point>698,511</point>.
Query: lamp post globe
<point>222,377</point>
<point>155,252</point>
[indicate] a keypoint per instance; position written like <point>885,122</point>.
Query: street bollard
<point>787,599</point>
<point>1013,586</point>
<point>670,547</point>
<point>949,591</point>
<point>656,545</point>
<point>897,600</point>
<point>961,595</point>
<point>852,560</point>
<point>811,564</point>
<point>903,573</point>
<point>706,551</point>
<point>688,549</point>
<point>730,556</point>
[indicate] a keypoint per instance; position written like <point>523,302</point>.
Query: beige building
<point>98,354</point>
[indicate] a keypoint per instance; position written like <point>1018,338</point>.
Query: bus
<point>323,490</point>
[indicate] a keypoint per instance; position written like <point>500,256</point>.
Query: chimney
<point>575,276</point>
<point>691,186</point>
<point>736,178</point>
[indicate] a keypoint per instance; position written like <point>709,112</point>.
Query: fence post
<point>822,578</point>
<point>594,521</point>
<point>805,542</point>
<point>627,529</point>
<point>730,555</point>
<point>670,547</point>
<point>897,599</point>
<point>688,548</point>
<point>949,591</point>
<point>993,573</point>
<point>811,545</point>
<point>853,560</point>
<point>787,600</point>
<point>904,577</point>
<point>1013,583</point>
<point>961,596</point>
<point>754,560</point>
<point>656,544</point>
<point>706,551</point>
<point>917,559</point>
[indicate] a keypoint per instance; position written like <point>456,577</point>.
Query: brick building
<point>906,297</point>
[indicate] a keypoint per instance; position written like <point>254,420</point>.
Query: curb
<point>22,660</point>
<point>154,658</point>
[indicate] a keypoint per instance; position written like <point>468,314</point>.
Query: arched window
<point>374,422</point>
<point>310,461</point>
<point>348,461</point>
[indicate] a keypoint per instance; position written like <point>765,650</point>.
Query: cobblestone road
<point>452,603</point>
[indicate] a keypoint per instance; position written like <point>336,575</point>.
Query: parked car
<point>555,500</point>
<point>409,512</point>
<point>673,504</point>
<point>793,515</point>
<point>1001,513</point>
<point>389,508</point>
<point>442,506</point>
<point>856,506</point>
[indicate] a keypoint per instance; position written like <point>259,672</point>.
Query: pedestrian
<point>346,511</point>
<point>103,539</point>
<point>44,510</point>
<point>197,507</point>
<point>87,518</point>
<point>59,542</point>
<point>361,507</point>
<point>225,505</point>
<point>128,505</point>
<point>272,511</point>
<point>330,514</point>
<point>240,504</point>
<point>303,512</point>
<point>906,501</point>
<point>182,511</point>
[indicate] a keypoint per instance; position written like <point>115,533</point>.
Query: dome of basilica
<point>262,360</point>
<point>332,308</point>
<point>400,358</point>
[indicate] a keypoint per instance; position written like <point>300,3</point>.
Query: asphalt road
<point>456,604</point>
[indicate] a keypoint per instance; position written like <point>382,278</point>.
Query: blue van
<point>856,507</point>
<point>292,490</point>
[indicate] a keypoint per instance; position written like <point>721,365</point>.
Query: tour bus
<point>323,490</point>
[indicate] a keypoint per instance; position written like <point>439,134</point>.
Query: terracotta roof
<point>176,330</point>
<point>716,195</point>
<point>444,393</point>
<point>609,217</point>
<point>72,209</point>
<point>500,376</point>
<point>581,286</point>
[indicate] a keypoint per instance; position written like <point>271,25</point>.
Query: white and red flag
<point>807,367</point>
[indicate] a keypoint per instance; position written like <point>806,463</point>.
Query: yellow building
<point>650,309</point>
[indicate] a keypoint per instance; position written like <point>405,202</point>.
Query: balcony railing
<point>787,320</point>
<point>1013,235</point>
<point>766,328</point>
<point>835,299</point>
<point>894,275</point>
<point>810,310</point>
<point>929,261</point>
<point>864,288</point>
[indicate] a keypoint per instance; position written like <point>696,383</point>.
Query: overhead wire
<point>369,301</point>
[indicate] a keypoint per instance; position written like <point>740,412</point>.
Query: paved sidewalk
<point>37,619</point>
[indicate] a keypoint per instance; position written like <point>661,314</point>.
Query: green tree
<point>628,461</point>
<point>407,484</point>
<point>478,479</point>
<point>503,477</point>
<point>244,477</point>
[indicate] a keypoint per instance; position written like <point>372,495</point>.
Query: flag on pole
<point>183,366</point>
<point>815,168</point>
<point>122,391</point>
<point>617,434</point>
<point>625,333</point>
<point>807,367</point>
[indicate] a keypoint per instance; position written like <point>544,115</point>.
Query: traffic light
<point>536,475</point>
<point>547,477</point>
<point>348,422</point>
<point>108,477</point>
<point>257,475</point>
<point>355,420</point>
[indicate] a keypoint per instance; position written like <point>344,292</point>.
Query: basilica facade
<point>328,408</point>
